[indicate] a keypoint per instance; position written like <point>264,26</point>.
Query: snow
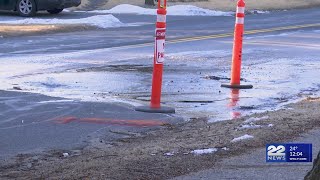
<point>169,154</point>
<point>270,35</point>
<point>127,9</point>
<point>225,148</point>
<point>249,126</point>
<point>204,151</point>
<point>102,21</point>
<point>241,138</point>
<point>259,12</point>
<point>55,101</point>
<point>254,119</point>
<point>177,10</point>
<point>189,10</point>
<point>197,55</point>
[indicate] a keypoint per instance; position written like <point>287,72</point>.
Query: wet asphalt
<point>34,123</point>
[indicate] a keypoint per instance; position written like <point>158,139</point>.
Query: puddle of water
<point>279,76</point>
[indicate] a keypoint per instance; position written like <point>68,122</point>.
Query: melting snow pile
<point>102,21</point>
<point>204,151</point>
<point>178,10</point>
<point>244,137</point>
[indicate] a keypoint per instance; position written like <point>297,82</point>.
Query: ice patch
<point>271,35</point>
<point>241,138</point>
<point>254,119</point>
<point>225,148</point>
<point>197,55</point>
<point>259,12</point>
<point>102,21</point>
<point>169,154</point>
<point>178,10</point>
<point>204,151</point>
<point>249,126</point>
<point>55,101</point>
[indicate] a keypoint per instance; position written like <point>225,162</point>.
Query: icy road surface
<point>283,67</point>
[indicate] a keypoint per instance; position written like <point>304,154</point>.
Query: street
<point>68,91</point>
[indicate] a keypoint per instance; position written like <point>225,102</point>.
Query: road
<point>108,67</point>
<point>178,27</point>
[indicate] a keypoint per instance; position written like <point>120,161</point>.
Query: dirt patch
<point>23,30</point>
<point>145,157</point>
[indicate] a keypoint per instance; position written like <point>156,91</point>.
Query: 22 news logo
<point>276,153</point>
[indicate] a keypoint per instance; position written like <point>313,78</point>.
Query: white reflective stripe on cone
<point>239,20</point>
<point>161,18</point>
<point>240,9</point>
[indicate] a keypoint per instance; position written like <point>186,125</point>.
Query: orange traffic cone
<point>155,106</point>
<point>237,50</point>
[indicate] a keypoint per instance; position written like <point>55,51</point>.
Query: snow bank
<point>178,10</point>
<point>127,9</point>
<point>204,151</point>
<point>102,21</point>
<point>189,10</point>
<point>241,138</point>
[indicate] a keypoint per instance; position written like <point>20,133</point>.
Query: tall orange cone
<point>237,50</point>
<point>155,106</point>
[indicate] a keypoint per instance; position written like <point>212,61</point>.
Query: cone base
<point>237,86</point>
<point>162,109</point>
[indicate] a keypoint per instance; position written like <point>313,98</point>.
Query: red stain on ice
<point>136,123</point>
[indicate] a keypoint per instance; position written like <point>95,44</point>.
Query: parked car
<point>30,7</point>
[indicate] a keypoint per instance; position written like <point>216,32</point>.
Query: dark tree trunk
<point>149,2</point>
<point>314,174</point>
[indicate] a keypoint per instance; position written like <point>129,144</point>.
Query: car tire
<point>55,11</point>
<point>26,8</point>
